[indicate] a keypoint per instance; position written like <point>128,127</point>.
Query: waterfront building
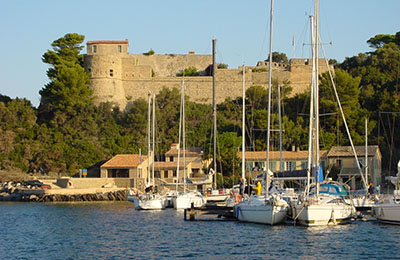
<point>342,158</point>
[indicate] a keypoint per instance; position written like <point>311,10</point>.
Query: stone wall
<point>120,78</point>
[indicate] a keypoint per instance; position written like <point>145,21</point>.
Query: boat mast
<point>214,186</point>
<point>148,139</point>
<point>183,137</point>
<point>280,128</point>
<point>311,127</point>
<point>153,132</point>
<point>179,140</point>
<point>366,151</point>
<point>243,124</point>
<point>316,39</point>
<point>269,99</point>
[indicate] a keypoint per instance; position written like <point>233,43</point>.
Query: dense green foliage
<point>67,132</point>
<point>190,71</point>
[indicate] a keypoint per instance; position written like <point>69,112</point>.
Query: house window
<point>303,165</point>
<point>290,166</point>
<point>249,166</point>
<point>171,158</point>
<point>94,48</point>
<point>258,166</point>
<point>111,72</point>
<point>140,172</point>
<point>119,48</point>
<point>272,166</point>
<point>165,174</point>
<point>157,174</point>
<point>174,173</point>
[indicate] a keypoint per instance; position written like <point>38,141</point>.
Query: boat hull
<point>185,201</point>
<point>258,210</point>
<point>361,203</point>
<point>154,203</point>
<point>266,214</point>
<point>323,214</point>
<point>387,213</point>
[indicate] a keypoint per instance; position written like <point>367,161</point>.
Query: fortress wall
<point>131,71</point>
<point>199,89</point>
<point>167,65</point>
<point>120,77</point>
<point>261,78</point>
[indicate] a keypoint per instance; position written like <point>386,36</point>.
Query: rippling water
<point>114,230</point>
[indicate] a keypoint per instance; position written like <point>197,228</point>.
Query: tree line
<point>68,132</point>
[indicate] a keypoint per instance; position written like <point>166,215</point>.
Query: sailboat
<point>184,199</point>
<point>316,207</point>
<point>387,210</point>
<point>150,200</point>
<point>264,208</point>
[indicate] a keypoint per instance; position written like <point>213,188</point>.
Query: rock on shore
<point>20,191</point>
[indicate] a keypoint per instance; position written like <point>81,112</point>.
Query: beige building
<point>120,77</point>
<point>343,158</point>
<point>132,171</point>
<point>129,169</point>
<point>292,160</point>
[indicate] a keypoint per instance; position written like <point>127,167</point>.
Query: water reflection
<point>114,230</point>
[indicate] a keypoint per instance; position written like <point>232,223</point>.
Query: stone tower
<point>104,62</point>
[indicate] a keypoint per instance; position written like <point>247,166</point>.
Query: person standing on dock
<point>241,186</point>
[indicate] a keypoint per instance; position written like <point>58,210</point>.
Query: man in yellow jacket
<point>258,188</point>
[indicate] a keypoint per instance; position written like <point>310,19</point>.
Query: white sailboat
<point>184,199</point>
<point>265,208</point>
<point>150,200</point>
<point>317,208</point>
<point>387,210</point>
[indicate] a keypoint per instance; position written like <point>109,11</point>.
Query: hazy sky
<point>176,26</point>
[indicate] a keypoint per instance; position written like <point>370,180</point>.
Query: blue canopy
<point>330,188</point>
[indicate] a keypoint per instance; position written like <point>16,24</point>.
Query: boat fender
<point>238,198</point>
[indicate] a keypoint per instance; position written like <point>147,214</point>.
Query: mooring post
<point>192,212</point>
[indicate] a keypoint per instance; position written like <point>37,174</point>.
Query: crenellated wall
<point>120,77</point>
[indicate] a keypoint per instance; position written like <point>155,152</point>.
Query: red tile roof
<point>108,42</point>
<point>124,160</point>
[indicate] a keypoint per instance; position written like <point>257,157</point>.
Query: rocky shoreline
<point>33,191</point>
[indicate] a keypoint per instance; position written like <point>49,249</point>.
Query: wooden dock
<point>219,213</point>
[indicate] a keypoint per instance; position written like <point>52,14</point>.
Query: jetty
<point>219,213</point>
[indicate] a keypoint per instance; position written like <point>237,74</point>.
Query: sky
<point>177,27</point>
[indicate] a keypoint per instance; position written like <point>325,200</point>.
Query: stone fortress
<point>120,77</point>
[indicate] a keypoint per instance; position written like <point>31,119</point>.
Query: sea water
<point>115,230</point>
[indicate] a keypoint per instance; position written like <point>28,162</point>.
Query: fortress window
<point>119,48</point>
<point>111,72</point>
<point>94,48</point>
